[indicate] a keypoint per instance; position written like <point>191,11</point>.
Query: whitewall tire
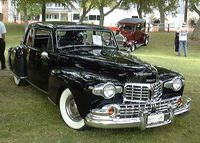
<point>18,81</point>
<point>69,111</point>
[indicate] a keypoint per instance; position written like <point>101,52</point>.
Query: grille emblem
<point>153,108</point>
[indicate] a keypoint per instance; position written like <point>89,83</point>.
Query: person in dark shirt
<point>177,41</point>
<point>2,42</point>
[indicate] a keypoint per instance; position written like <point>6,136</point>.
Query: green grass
<point>26,115</point>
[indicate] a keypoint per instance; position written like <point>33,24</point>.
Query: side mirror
<point>44,55</point>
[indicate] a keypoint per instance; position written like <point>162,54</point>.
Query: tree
<point>143,6</point>
<point>22,7</point>
<point>163,7</point>
<point>86,6</point>
<point>194,4</point>
<point>25,6</point>
<point>100,4</point>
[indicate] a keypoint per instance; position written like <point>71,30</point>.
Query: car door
<point>126,31</point>
<point>38,65</point>
<point>138,34</point>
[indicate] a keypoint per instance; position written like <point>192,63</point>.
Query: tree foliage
<point>143,6</point>
<point>30,8</point>
<point>87,5</point>
<point>26,8</point>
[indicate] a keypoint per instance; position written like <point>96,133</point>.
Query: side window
<point>43,40</point>
<point>30,38</point>
<point>127,28</point>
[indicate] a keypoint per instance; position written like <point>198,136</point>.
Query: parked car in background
<point>81,70</point>
<point>133,29</point>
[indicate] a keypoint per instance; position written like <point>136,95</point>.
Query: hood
<point>115,63</point>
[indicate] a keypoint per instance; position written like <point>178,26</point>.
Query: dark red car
<point>133,29</point>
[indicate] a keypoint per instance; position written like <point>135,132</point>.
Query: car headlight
<point>106,90</point>
<point>109,90</point>
<point>177,84</point>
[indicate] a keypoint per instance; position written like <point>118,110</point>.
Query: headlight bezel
<point>171,84</point>
<point>100,90</point>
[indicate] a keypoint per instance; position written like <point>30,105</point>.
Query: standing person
<point>183,39</point>
<point>2,42</point>
<point>177,41</point>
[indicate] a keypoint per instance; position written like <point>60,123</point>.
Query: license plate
<point>155,118</point>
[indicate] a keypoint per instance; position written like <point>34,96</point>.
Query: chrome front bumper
<point>100,119</point>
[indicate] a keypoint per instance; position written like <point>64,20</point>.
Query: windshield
<point>86,37</point>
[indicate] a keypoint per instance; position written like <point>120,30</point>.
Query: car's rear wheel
<point>69,111</point>
<point>18,81</point>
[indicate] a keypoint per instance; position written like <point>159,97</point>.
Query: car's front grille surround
<point>142,92</point>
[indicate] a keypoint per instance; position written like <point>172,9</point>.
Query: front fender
<point>166,75</point>
<point>78,82</point>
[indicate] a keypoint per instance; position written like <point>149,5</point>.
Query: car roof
<point>131,21</point>
<point>66,25</point>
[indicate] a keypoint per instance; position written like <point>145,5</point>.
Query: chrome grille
<point>134,109</point>
<point>142,92</point>
<point>156,89</point>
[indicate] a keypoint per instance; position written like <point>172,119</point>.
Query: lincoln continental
<point>81,70</point>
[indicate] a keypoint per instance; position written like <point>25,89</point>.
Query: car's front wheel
<point>133,47</point>
<point>69,111</point>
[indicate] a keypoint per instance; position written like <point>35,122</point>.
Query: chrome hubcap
<point>72,110</point>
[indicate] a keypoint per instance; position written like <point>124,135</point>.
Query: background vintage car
<point>81,69</point>
<point>134,30</point>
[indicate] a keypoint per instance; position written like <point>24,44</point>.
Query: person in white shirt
<point>2,42</point>
<point>183,31</point>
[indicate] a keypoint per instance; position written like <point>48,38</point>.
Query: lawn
<point>26,115</point>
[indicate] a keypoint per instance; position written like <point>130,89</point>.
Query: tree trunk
<point>101,22</point>
<point>186,13</point>
<point>85,11</point>
<point>162,20</point>
<point>25,17</point>
<point>44,12</point>
<point>139,10</point>
<point>196,32</point>
<point>83,15</point>
<point>102,14</point>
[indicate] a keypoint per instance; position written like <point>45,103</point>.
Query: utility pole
<point>186,11</point>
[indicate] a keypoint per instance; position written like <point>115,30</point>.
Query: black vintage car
<point>81,69</point>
